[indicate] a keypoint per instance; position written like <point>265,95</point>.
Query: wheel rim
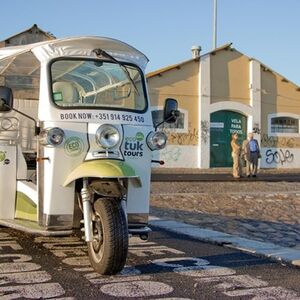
<point>97,243</point>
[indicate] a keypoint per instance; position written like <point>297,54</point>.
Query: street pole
<point>215,25</point>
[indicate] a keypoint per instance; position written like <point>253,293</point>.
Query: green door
<point>222,124</point>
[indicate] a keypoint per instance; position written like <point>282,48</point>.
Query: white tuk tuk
<point>76,137</point>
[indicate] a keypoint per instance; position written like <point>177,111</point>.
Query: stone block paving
<point>262,211</point>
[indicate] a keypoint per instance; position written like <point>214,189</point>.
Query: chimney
<point>196,51</point>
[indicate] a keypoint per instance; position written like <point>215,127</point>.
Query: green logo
<point>2,156</point>
<point>74,146</point>
<point>139,136</point>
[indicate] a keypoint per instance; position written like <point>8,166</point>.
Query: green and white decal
<point>134,146</point>
<point>73,146</point>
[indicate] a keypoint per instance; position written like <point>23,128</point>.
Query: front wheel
<point>108,250</point>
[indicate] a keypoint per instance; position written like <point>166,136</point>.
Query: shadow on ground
<point>279,233</point>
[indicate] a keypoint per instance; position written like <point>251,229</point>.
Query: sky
<point>165,30</point>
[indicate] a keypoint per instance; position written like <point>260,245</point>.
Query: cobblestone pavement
<point>263,211</point>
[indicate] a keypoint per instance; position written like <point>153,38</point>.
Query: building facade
<point>222,92</point>
<point>31,35</point>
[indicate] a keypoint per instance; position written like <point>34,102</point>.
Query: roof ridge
<point>51,36</point>
<point>174,66</point>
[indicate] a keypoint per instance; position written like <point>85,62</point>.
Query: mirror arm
<point>36,127</point>
<point>175,113</point>
<point>157,125</point>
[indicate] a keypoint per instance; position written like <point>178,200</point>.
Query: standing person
<point>251,153</point>
<point>236,156</point>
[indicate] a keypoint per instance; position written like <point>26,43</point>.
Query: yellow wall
<point>229,76</point>
<point>182,84</point>
<point>268,97</point>
<point>277,96</point>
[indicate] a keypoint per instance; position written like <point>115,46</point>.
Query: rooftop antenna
<point>215,25</point>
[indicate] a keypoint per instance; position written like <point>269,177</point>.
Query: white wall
<point>176,156</point>
<point>204,115</point>
<point>280,158</point>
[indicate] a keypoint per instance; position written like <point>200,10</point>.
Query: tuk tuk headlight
<point>107,136</point>
<point>156,140</point>
<point>52,136</point>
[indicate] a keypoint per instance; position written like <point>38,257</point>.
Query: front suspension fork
<point>87,211</point>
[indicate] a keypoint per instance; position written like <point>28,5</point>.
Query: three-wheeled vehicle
<point>76,142</point>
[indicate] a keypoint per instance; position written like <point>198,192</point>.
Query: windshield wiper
<point>99,52</point>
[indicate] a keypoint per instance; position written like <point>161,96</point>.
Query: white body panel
<point>21,165</point>
<point>8,173</point>
<point>137,154</point>
<point>59,200</point>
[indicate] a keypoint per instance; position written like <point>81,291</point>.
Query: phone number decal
<point>119,117</point>
<point>102,117</point>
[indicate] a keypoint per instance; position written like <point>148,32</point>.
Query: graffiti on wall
<point>205,128</point>
<point>279,156</point>
<point>278,142</point>
<point>189,138</point>
<point>171,154</point>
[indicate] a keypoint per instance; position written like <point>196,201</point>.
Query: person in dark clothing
<point>251,154</point>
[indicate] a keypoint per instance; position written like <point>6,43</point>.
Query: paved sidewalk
<point>256,210</point>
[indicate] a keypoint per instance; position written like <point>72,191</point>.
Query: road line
<point>135,289</point>
<point>22,278</point>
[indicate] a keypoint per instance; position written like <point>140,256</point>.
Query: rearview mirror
<point>171,112</point>
<point>6,99</point>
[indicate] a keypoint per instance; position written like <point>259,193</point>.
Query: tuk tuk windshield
<point>97,84</point>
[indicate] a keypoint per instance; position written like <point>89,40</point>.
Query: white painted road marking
<point>130,283</point>
<point>21,278</point>
<point>18,267</point>
<point>267,293</point>
<point>136,289</point>
<point>154,250</point>
<point>11,244</point>
<point>33,291</point>
<point>16,257</point>
<point>25,277</point>
<point>233,282</point>
<point>206,273</point>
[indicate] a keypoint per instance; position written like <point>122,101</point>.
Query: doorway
<point>223,124</point>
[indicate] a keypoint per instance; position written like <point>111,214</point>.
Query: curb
<point>221,177</point>
<point>266,250</point>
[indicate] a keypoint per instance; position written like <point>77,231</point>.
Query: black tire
<point>108,254</point>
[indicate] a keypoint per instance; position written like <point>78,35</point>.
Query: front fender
<point>102,169</point>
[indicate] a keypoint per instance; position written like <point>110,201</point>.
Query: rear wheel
<point>108,250</point>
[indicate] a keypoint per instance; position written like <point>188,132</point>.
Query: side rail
<point>9,129</point>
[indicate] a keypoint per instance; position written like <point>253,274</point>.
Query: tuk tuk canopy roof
<point>78,46</point>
